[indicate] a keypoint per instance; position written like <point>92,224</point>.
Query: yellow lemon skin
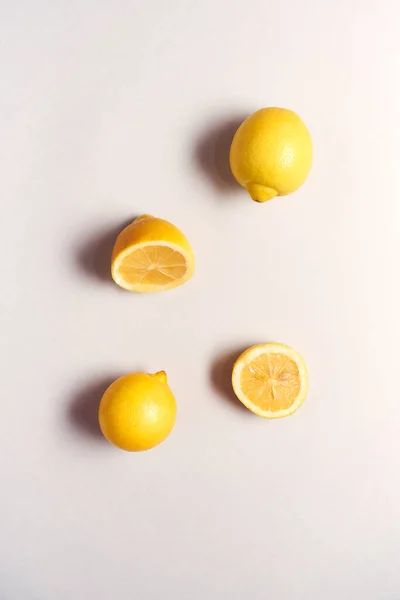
<point>271,153</point>
<point>137,411</point>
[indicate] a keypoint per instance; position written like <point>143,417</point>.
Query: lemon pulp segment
<point>153,265</point>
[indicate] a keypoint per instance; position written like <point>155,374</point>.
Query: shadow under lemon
<point>221,376</point>
<point>84,407</point>
<point>93,256</point>
<point>211,153</point>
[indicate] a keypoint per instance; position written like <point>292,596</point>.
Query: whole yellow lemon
<point>271,153</point>
<point>137,411</point>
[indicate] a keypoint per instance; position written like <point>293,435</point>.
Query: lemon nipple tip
<point>260,193</point>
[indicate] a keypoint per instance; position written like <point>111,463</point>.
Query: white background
<point>112,109</point>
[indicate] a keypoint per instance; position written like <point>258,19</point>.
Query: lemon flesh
<point>151,255</point>
<point>270,380</point>
<point>271,153</point>
<point>137,411</point>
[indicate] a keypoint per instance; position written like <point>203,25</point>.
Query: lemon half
<point>270,380</point>
<point>151,255</point>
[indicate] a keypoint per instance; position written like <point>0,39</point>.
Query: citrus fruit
<point>270,380</point>
<point>137,411</point>
<point>151,255</point>
<point>271,153</point>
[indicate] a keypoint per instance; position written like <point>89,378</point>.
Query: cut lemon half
<point>270,380</point>
<point>151,255</point>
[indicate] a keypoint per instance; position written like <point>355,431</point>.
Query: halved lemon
<point>151,255</point>
<point>270,380</point>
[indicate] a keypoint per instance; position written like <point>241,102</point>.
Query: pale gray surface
<point>111,109</point>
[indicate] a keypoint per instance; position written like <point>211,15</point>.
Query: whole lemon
<point>137,411</point>
<point>271,153</point>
